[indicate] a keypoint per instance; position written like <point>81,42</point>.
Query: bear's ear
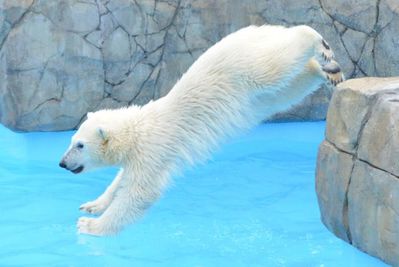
<point>102,133</point>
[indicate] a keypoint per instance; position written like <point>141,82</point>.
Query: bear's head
<point>91,144</point>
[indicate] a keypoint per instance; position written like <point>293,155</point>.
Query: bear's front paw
<point>91,226</point>
<point>97,206</point>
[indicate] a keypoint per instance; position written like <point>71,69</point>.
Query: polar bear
<point>247,76</point>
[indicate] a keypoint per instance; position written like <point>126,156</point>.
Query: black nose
<point>62,164</point>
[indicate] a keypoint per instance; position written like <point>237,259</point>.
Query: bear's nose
<point>62,164</point>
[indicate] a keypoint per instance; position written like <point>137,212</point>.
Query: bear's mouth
<point>78,169</point>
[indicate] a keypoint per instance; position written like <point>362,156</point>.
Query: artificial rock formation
<point>357,177</point>
<point>61,59</point>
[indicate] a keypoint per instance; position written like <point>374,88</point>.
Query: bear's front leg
<point>132,198</point>
<point>110,223</point>
<point>99,205</point>
<point>91,226</point>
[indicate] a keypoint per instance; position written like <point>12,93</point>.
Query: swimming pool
<point>253,204</point>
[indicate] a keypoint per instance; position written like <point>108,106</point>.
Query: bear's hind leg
<point>312,76</point>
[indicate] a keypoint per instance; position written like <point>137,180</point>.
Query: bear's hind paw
<point>333,72</point>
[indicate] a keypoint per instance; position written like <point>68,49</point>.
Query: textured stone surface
<point>373,212</point>
<point>351,108</point>
<point>60,59</point>
<point>380,137</point>
<point>357,177</point>
<point>333,173</point>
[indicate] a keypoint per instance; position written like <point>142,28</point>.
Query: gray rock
<point>35,42</point>
<point>353,42</point>
<point>334,169</point>
<point>70,15</point>
<point>116,51</point>
<point>357,15</point>
<point>373,212</point>
<point>386,60</point>
<point>131,87</point>
<point>357,177</point>
<point>49,72</point>
<point>15,10</point>
<point>350,107</point>
<point>145,46</point>
<point>364,64</point>
<point>379,142</point>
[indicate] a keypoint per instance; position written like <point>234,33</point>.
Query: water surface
<point>253,204</point>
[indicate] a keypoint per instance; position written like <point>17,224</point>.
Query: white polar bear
<point>249,75</point>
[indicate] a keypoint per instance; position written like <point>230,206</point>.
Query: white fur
<point>249,75</point>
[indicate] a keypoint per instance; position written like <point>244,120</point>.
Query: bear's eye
<point>79,145</point>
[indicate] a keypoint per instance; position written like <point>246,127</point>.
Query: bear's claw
<point>326,53</point>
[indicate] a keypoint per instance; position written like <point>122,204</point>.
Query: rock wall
<point>357,177</point>
<point>60,59</point>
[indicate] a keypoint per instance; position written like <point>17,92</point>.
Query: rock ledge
<point>357,176</point>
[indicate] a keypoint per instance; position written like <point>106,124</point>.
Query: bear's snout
<point>75,168</point>
<point>62,164</point>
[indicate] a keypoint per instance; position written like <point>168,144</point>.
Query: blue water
<point>252,205</point>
